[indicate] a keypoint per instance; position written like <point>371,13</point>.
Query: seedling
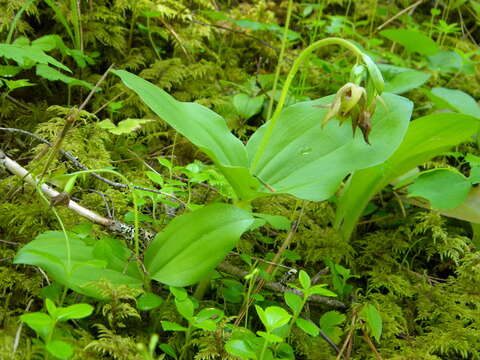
<point>44,325</point>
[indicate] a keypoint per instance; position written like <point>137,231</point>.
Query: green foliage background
<point>421,270</point>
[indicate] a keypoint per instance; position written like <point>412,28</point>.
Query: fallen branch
<point>127,231</point>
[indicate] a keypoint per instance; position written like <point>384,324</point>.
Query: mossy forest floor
<point>407,280</point>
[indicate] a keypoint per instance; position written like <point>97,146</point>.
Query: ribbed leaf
<point>309,162</point>
<point>427,137</point>
<point>203,127</point>
<point>193,244</point>
<point>49,252</point>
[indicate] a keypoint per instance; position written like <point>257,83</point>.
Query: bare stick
<point>108,102</point>
<point>270,268</point>
<point>116,226</point>
<point>69,123</point>
<point>371,345</point>
<point>127,230</point>
<point>263,42</point>
<point>399,14</point>
<point>19,330</point>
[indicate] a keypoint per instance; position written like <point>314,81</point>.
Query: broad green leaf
<point>330,324</point>
<point>308,327</point>
<point>51,308</point>
<point>53,291</point>
<point>273,317</point>
<point>77,311</point>
<point>27,56</point>
<point>445,189</point>
<point>276,221</point>
<point>247,106</point>
<point>272,338</point>
<point>116,256</point>
<point>450,61</point>
<point>193,244</point>
<point>208,325</point>
<point>412,40</point>
<point>203,127</point>
<point>171,326</point>
<point>49,43</point>
<point>309,162</point>
<point>16,84</point>
<point>179,293</point>
<point>426,138</point>
<point>185,308</point>
<point>304,279</point>
<point>9,70</point>
<point>285,351</point>
<point>455,100</point>
<point>127,126</point>
<point>320,290</point>
<point>52,74</point>
<point>208,318</point>
<point>240,348</point>
<point>40,322</point>
<point>400,80</point>
<point>232,290</point>
<point>209,313</point>
<point>293,301</point>
<point>169,350</point>
<point>155,177</point>
<point>149,301</point>
<point>59,349</point>
<point>49,252</point>
<point>373,319</point>
<point>469,210</point>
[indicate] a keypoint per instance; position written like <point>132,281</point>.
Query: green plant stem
<point>296,314</point>
<point>288,82</point>
<point>64,295</point>
<point>150,38</point>
<point>132,26</point>
<point>251,283</point>
<point>64,230</point>
<point>17,17</point>
<point>280,58</point>
<point>75,9</point>
<point>188,335</point>
<point>202,287</point>
<point>264,348</point>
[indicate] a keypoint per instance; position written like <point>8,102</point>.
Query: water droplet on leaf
<point>306,150</point>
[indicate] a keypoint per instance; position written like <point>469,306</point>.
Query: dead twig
<point>270,267</point>
<point>126,231</point>
<point>69,123</point>
<point>411,7</point>
<point>371,345</point>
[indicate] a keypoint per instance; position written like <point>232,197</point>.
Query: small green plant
<point>44,324</point>
<point>206,319</point>
<point>273,343</point>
